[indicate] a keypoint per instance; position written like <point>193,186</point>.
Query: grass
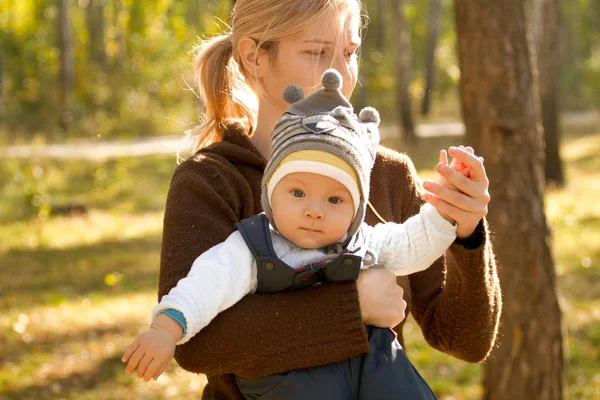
<point>75,289</point>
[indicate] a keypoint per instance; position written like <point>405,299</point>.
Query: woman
<point>241,75</point>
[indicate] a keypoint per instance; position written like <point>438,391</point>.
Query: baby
<point>314,193</point>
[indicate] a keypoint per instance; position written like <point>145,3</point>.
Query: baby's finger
<point>144,365</point>
<point>153,367</point>
<point>134,361</point>
<point>443,157</point>
<point>161,370</point>
<point>132,347</point>
<point>472,161</point>
<point>470,149</point>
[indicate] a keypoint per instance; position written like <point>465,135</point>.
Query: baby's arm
<point>414,245</point>
<point>219,278</point>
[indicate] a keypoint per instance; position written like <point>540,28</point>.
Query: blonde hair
<point>227,91</point>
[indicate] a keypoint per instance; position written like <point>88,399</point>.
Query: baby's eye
<point>334,200</point>
<point>297,193</point>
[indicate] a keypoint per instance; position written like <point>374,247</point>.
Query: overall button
<point>348,261</point>
<point>269,266</point>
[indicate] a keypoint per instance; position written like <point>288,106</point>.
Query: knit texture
<point>324,121</point>
<point>456,301</point>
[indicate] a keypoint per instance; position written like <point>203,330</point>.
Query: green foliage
<point>141,88</point>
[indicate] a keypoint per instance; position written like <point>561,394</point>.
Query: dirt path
<point>172,144</point>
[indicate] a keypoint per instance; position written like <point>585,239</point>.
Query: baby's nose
<point>314,213</point>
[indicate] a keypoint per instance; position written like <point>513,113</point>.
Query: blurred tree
<point>119,38</point>
<point>501,111</point>
<point>403,71</point>
<point>433,25</point>
<point>192,15</point>
<point>1,65</point>
<point>95,25</point>
<point>67,62</point>
<point>546,34</point>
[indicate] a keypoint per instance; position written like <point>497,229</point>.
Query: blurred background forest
<point>118,68</point>
<point>80,232</point>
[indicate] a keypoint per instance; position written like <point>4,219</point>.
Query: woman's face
<point>330,42</point>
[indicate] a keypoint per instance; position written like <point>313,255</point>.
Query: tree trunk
<point>192,15</point>
<point>380,25</point>
<point>546,25</point>
<point>67,67</point>
<point>501,111</point>
<point>403,75</point>
<point>435,10</point>
<point>1,71</point>
<point>95,23</point>
<point>119,35</point>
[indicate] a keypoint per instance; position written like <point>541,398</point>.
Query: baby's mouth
<point>312,230</point>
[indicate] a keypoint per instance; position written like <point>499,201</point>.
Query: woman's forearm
<point>270,333</point>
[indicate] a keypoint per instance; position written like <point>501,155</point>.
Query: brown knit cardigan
<point>456,302</point>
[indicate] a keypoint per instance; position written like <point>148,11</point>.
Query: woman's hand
<point>380,298</point>
<point>466,202</point>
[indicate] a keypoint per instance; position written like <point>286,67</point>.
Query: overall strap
<point>255,232</point>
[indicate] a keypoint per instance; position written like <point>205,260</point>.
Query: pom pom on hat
<point>331,79</point>
<point>293,94</point>
<point>369,114</point>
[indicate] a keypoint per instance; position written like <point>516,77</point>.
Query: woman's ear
<point>251,57</point>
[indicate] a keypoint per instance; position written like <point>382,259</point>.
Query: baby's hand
<point>457,165</point>
<point>152,350</point>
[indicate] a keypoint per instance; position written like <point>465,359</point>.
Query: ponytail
<point>224,90</point>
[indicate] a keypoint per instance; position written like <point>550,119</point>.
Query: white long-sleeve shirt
<point>224,274</point>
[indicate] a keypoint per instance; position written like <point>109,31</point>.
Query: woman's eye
<point>317,53</point>
<point>297,193</point>
<point>334,200</point>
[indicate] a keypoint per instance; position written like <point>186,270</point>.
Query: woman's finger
<point>452,211</point>
<point>456,198</point>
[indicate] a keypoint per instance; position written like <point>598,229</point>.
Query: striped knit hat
<point>322,135</point>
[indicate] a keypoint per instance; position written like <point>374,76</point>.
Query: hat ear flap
<point>293,94</point>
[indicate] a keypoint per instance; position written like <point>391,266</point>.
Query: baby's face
<point>311,210</point>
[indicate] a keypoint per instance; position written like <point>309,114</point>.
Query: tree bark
<point>501,111</point>
<point>192,15</point>
<point>546,24</point>
<point>381,25</point>
<point>433,22</point>
<point>67,67</point>
<point>403,74</point>
<point>95,24</point>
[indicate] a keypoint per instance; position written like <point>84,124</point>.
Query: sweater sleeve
<point>219,278</point>
<point>263,333</point>
<point>456,302</point>
<point>413,245</point>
